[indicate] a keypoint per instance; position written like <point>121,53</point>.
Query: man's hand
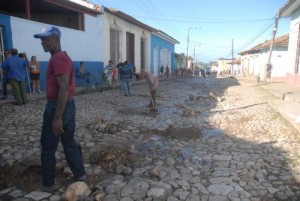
<point>57,126</point>
<point>62,98</point>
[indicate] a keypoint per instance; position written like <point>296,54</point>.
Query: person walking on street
<point>126,77</point>
<point>59,113</point>
<point>108,70</point>
<point>16,71</point>
<point>5,80</point>
<point>181,71</point>
<point>152,83</point>
<point>161,71</point>
<point>34,69</point>
<point>268,72</point>
<point>167,71</point>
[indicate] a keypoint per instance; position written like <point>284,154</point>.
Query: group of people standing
<point>59,113</point>
<point>109,75</point>
<point>123,72</point>
<point>15,70</point>
<point>126,72</point>
<point>164,72</point>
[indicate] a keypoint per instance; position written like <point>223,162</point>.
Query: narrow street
<point>212,139</point>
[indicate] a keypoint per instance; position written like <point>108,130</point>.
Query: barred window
<point>115,45</point>
<point>143,54</point>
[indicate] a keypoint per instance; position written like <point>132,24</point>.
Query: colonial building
<point>162,52</point>
<point>129,39</point>
<point>229,66</point>
<point>292,9</point>
<point>254,60</point>
<point>90,33</point>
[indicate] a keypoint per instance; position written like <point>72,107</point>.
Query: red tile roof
<point>279,41</point>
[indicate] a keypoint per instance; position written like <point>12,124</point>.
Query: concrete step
<point>290,110</point>
<point>292,96</point>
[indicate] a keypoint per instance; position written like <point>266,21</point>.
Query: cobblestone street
<point>212,139</point>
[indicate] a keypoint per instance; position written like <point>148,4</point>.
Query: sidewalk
<point>288,102</point>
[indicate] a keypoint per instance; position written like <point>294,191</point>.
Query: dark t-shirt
<point>126,72</point>
<point>269,67</point>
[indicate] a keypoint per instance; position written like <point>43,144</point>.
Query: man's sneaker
<point>3,98</point>
<point>82,178</point>
<point>50,189</point>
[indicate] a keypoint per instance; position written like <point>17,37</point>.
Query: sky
<point>214,27</point>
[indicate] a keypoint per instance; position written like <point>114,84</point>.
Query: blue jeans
<point>126,85</point>
<point>49,143</point>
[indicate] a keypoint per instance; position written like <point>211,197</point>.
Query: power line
<point>253,38</point>
<point>156,11</point>
<point>164,21</point>
<point>251,41</point>
<point>206,21</point>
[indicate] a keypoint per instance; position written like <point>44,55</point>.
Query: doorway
<point>130,47</point>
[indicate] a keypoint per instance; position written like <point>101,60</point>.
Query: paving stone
<point>243,151</point>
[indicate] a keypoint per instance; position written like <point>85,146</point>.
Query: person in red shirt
<point>59,112</point>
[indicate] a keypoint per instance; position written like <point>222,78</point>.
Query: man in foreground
<point>59,114</point>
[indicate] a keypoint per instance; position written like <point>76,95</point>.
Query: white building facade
<point>126,39</point>
<point>253,61</point>
<point>292,9</point>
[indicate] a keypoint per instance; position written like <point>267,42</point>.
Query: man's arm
<point>63,82</point>
<point>4,65</point>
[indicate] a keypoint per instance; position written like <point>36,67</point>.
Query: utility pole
<point>187,47</point>
<point>232,58</point>
<point>194,61</point>
<point>194,53</point>
<point>273,38</point>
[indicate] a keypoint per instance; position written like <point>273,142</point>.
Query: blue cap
<point>48,31</point>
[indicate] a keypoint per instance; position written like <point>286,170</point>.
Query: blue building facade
<point>162,52</point>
